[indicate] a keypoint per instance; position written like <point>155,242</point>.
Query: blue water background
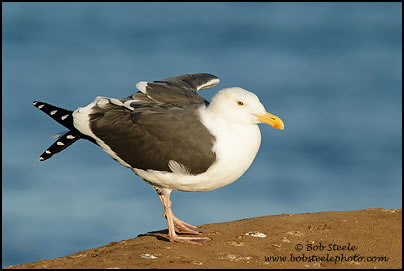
<point>331,71</point>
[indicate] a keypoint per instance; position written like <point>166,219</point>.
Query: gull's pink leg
<point>179,225</point>
<point>184,227</point>
<point>171,228</point>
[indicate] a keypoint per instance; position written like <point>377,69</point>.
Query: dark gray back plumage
<point>150,136</point>
<point>157,124</point>
<point>160,125</point>
<point>180,89</point>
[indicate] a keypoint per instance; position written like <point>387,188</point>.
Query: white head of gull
<point>172,137</point>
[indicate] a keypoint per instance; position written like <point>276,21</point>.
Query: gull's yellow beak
<point>272,120</point>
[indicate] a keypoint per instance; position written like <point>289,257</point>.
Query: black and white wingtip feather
<point>65,118</point>
<point>62,143</point>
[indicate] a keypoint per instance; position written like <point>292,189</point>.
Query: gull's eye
<point>240,103</point>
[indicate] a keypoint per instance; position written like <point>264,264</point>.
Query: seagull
<point>171,136</point>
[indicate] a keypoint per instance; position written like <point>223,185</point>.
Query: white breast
<point>236,147</point>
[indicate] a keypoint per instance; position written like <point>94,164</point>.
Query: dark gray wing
<point>179,89</point>
<point>151,135</point>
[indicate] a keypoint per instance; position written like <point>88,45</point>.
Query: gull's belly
<point>235,151</point>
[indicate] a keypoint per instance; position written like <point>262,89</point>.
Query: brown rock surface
<point>370,238</point>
